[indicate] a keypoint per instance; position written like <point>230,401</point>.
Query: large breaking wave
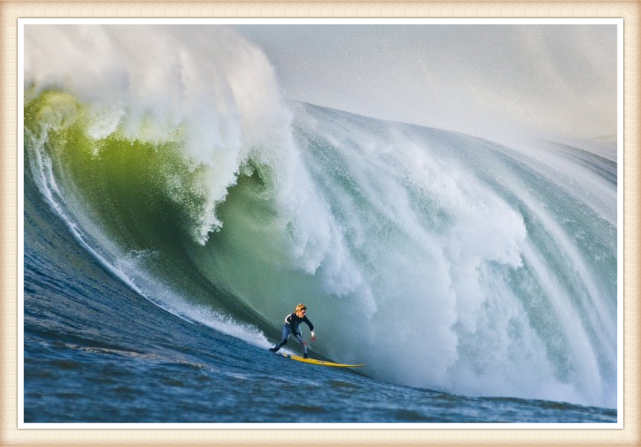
<point>439,259</point>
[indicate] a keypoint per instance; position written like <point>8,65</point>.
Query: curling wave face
<point>438,259</point>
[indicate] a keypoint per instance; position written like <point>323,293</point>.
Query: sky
<point>551,81</point>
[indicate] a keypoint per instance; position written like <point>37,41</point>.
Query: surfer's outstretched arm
<point>311,326</point>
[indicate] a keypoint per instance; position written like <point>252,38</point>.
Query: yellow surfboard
<point>321,362</point>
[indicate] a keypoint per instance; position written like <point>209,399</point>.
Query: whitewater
<point>445,262</point>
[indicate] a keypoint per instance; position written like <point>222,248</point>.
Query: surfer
<point>291,328</point>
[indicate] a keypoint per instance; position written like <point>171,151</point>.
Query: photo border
<point>12,431</point>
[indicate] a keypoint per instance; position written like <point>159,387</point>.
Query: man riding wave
<point>292,321</point>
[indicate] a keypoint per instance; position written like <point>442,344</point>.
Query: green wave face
<point>140,199</point>
<point>143,193</point>
<point>145,199</point>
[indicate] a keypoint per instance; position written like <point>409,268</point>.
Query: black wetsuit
<point>292,321</point>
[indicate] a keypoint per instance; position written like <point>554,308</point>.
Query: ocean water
<point>170,223</point>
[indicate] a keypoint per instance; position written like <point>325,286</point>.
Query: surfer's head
<point>300,310</point>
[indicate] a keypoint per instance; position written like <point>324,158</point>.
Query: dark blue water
<point>96,351</point>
